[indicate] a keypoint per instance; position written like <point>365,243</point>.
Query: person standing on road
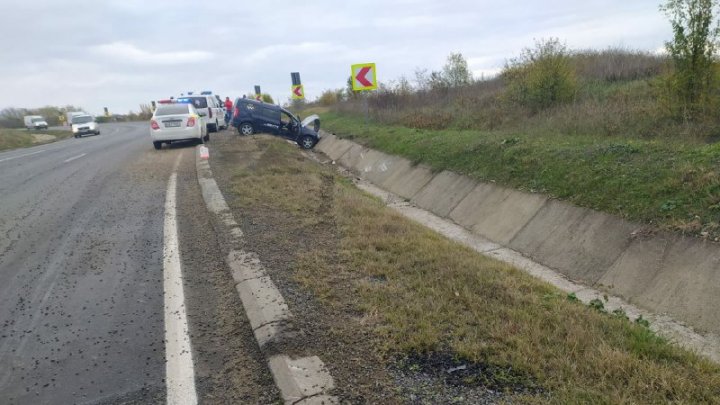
<point>228,109</point>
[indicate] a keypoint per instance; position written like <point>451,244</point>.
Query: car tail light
<point>210,112</point>
<point>237,111</point>
<point>154,125</point>
<point>191,122</point>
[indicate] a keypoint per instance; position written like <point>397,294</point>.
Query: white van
<point>209,108</point>
<point>35,122</point>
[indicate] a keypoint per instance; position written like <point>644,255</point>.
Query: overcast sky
<point>120,53</point>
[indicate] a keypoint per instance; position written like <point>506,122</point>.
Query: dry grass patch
<point>21,138</point>
<point>433,295</point>
<point>433,303</point>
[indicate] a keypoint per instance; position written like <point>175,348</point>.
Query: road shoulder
<point>229,367</point>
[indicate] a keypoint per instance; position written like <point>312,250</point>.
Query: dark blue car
<point>251,116</point>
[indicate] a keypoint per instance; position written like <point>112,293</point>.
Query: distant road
<point>94,235</point>
<point>81,268</point>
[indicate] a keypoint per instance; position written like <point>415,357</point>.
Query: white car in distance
<point>177,122</point>
<point>84,124</point>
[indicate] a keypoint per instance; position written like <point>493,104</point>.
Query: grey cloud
<point>120,53</point>
<point>128,53</point>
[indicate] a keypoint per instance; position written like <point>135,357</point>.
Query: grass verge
<point>21,138</point>
<point>673,185</point>
<point>431,304</point>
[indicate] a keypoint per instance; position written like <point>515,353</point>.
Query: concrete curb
<point>665,274</point>
<point>300,380</point>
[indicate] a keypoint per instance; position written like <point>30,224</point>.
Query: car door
<point>219,109</point>
<point>288,126</point>
<point>211,110</point>
<point>269,120</point>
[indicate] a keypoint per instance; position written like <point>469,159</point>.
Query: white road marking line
<point>19,156</point>
<point>74,157</point>
<point>179,372</point>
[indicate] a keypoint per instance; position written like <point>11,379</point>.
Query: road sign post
<point>364,78</point>
<point>298,93</point>
<point>297,90</point>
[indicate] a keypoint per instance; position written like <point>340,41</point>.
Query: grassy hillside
<point>427,305</point>
<point>615,145</point>
<point>21,138</point>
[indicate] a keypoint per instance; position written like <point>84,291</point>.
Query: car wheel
<point>246,129</point>
<point>206,138</point>
<point>97,132</point>
<point>212,127</point>
<point>157,145</point>
<point>307,142</point>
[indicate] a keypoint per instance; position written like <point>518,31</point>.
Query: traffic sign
<point>364,76</point>
<point>298,93</point>
<point>295,77</point>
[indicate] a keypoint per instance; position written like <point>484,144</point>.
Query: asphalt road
<point>81,274</point>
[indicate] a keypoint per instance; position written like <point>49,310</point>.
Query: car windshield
<point>198,102</point>
<point>174,109</point>
<point>38,119</point>
<point>82,120</point>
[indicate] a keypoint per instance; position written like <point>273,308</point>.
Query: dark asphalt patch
<point>447,373</point>
<point>81,281</point>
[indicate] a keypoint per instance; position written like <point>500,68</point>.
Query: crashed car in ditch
<point>252,116</point>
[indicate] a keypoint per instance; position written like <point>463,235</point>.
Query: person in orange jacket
<point>228,110</point>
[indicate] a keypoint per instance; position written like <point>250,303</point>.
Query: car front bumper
<point>85,131</point>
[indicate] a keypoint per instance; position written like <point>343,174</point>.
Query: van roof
<point>255,102</point>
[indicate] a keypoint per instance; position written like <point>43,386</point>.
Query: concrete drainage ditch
<point>663,277</point>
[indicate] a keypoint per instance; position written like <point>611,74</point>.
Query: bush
<point>548,89</point>
<point>617,64</point>
<point>542,76</point>
<point>693,50</point>
<point>427,119</point>
<point>330,97</point>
